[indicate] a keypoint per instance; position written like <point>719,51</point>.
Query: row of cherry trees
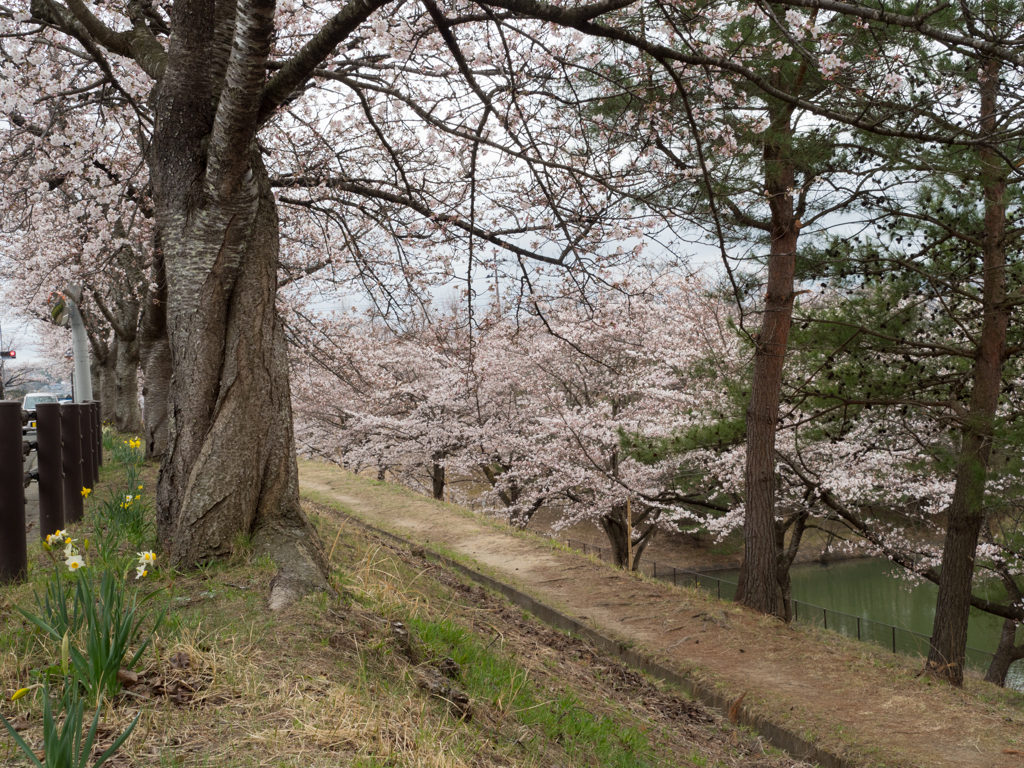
<point>538,406</point>
<point>639,396</point>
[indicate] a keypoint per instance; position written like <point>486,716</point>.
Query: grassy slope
<point>346,680</point>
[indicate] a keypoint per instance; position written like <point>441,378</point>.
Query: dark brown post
<point>13,547</point>
<point>97,424</point>
<point>97,439</point>
<point>88,449</point>
<point>71,460</point>
<point>51,475</point>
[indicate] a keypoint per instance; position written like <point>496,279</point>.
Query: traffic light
<point>9,353</point>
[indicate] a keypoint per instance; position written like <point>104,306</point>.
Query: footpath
<point>853,700</point>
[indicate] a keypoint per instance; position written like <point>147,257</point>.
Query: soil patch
<point>852,699</point>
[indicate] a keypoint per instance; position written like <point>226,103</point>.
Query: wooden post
<point>51,478</point>
<point>71,461</point>
<point>13,545</point>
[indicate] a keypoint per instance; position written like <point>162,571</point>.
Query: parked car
<point>32,399</point>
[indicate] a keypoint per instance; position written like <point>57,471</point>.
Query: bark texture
<point>127,411</point>
<point>155,359</point>
<point>104,357</point>
<point>967,510</point>
<point>230,464</point>
<point>763,562</point>
<point>229,468</point>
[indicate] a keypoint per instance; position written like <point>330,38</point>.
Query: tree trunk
<point>1007,653</point>
<point>94,376</point>
<point>759,585</point>
<point>967,510</point>
<point>155,357</point>
<point>230,468</point>
<point>107,383</point>
<point>128,414</point>
<point>616,528</point>
<point>437,478</point>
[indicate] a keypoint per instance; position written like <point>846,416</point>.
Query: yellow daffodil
<point>19,693</point>
<point>86,492</point>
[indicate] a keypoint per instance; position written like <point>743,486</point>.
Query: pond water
<point>875,590</point>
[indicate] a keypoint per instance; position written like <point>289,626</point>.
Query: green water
<point>876,591</point>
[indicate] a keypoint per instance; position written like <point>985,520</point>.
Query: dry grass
<point>329,683</point>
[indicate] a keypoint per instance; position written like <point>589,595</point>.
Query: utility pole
<point>65,311</point>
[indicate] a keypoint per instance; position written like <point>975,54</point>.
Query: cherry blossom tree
<point>537,406</point>
<point>196,129</point>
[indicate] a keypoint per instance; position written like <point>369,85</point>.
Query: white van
<point>32,399</point>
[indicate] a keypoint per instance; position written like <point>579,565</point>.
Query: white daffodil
<point>74,562</point>
<point>54,538</point>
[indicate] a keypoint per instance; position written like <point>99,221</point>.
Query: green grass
<point>324,683</point>
<point>593,739</point>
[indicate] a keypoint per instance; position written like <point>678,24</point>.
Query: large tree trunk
<point>759,580</point>
<point>230,465</point>
<point>155,357</point>
<point>229,469</point>
<point>967,510</point>
<point>106,367</point>
<point>128,414</point>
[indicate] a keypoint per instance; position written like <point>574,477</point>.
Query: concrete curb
<point>776,735</point>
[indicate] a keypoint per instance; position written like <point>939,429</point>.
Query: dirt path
<point>850,698</point>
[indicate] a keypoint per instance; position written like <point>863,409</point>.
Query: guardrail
<point>896,639</point>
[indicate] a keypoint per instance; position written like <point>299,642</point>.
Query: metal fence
<point>896,639</point>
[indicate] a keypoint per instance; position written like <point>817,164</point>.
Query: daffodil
<point>147,557</point>
<point>19,693</point>
<point>74,562</point>
<point>55,538</point>
<point>141,572</point>
<point>86,492</point>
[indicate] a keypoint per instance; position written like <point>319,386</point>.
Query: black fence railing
<point>896,639</point>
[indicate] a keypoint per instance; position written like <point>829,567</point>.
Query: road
<point>32,500</point>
